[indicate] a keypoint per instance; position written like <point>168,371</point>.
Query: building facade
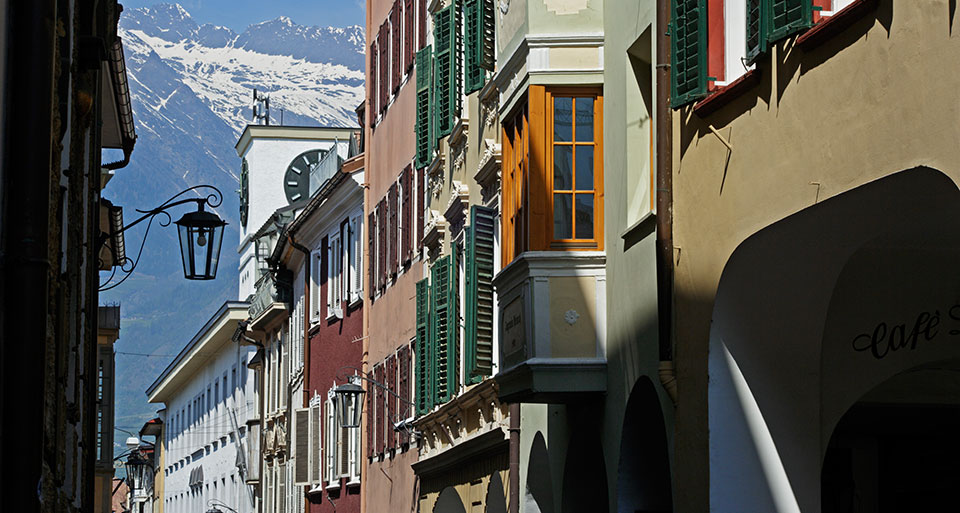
<point>283,169</point>
<point>207,398</point>
<point>322,249</point>
<point>64,100</point>
<point>815,223</point>
<point>396,31</point>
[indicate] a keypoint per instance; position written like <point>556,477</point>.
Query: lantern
<point>201,234</point>
<point>349,400</point>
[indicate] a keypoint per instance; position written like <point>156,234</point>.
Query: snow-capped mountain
<point>313,74</point>
<point>191,87</point>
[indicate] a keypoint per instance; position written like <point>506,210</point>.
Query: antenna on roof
<point>261,108</point>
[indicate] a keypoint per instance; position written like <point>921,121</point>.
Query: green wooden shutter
<point>446,38</point>
<point>688,41</point>
<point>756,29</point>
<point>444,326</point>
<point>771,20</point>
<point>453,327</point>
<point>789,16</point>
<point>488,40</point>
<point>478,317</point>
<point>424,85</point>
<point>424,384</point>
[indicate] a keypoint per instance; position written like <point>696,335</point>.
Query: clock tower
<point>280,168</point>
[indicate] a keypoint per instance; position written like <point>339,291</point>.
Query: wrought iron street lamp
<point>200,234</point>
<point>349,398</point>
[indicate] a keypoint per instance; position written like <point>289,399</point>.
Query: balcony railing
<point>325,169</point>
<point>552,307</point>
<point>271,290</point>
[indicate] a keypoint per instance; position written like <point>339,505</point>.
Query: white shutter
<point>315,299</point>
<point>281,488</point>
<point>301,442</point>
<point>331,444</point>
<point>316,440</point>
<point>356,269</point>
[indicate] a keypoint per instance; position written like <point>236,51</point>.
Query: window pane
<point>584,119</point>
<point>563,119</point>
<point>584,216</point>
<point>562,216</point>
<point>584,167</point>
<point>563,168</point>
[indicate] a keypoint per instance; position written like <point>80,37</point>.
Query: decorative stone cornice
<point>472,414</point>
<point>458,207</point>
<point>488,172</point>
<point>434,230</point>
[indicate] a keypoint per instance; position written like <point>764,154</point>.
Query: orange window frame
<point>515,160</point>
<point>574,243</point>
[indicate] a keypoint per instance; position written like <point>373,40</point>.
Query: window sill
<point>353,482</point>
<point>316,490</point>
<point>726,94</point>
<point>828,27</point>
<point>333,486</point>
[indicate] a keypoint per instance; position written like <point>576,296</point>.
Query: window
<point>574,161</point>
<point>714,41</point>
<point>334,275</point>
<point>316,267</point>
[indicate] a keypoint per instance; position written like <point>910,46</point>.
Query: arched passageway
<point>643,480</point>
<point>896,449</point>
<point>812,313</point>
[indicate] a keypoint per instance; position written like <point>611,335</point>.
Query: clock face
<point>244,193</point>
<point>296,181</point>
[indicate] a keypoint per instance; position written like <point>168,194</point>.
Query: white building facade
<point>208,397</point>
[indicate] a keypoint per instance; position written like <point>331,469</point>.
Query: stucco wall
<point>868,102</point>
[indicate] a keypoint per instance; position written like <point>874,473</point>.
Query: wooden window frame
<point>596,242</point>
<point>515,158</point>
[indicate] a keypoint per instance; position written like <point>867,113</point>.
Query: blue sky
<point>237,14</point>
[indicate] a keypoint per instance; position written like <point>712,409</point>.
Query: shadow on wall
<point>584,474</point>
<point>538,495</point>
<point>449,501</point>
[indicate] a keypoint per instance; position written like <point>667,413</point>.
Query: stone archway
<point>796,313</point>
<point>896,448</point>
<point>643,480</point>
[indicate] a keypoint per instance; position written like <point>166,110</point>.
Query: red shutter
<point>372,252</point>
<point>395,44</point>
<point>422,23</point>
<point>378,375</point>
<point>406,183</point>
<point>383,46</point>
<point>371,416</point>
<point>404,356</point>
<point>392,400</point>
<point>421,202</point>
<point>393,228</point>
<point>374,89</point>
<point>382,248</point>
<point>408,34</point>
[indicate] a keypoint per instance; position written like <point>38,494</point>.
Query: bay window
<point>553,173</point>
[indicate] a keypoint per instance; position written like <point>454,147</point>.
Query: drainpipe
<point>664,166</point>
<point>514,477</point>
